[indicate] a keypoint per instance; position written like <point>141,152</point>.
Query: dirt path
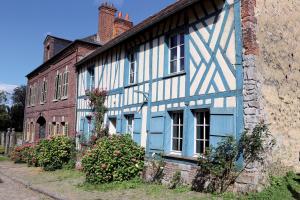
<point>12,190</point>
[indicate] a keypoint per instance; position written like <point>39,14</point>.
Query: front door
<point>42,131</point>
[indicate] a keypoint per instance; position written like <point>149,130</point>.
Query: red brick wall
<point>61,108</point>
<point>249,23</point>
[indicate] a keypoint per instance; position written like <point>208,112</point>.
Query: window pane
<point>174,54</point>
<point>181,51</point>
<point>201,146</point>
<point>175,144</point>
<point>175,131</point>
<point>198,132</point>
<point>198,146</point>
<point>207,132</point>
<point>200,118</point>
<point>173,41</point>
<point>131,78</point>
<point>206,144</point>
<point>201,132</point>
<point>173,66</point>
<point>182,64</point>
<point>131,67</point>
<point>207,117</point>
<point>181,118</point>
<point>181,132</point>
<point>181,38</point>
<point>175,118</point>
<point>180,145</point>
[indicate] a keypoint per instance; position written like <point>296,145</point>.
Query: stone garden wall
<point>278,67</point>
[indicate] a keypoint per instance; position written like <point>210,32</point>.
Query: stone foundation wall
<point>188,172</point>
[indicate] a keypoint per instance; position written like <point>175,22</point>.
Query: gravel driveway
<point>10,190</point>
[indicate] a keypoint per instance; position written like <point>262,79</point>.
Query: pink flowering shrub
<point>113,158</point>
<point>24,154</point>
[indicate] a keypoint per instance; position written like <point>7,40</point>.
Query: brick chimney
<point>106,22</point>
<point>121,24</point>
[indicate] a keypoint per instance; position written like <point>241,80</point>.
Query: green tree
<point>4,112</point>
<point>17,109</point>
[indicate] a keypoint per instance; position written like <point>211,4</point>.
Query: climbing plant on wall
<point>97,99</point>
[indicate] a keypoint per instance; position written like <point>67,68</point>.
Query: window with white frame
<point>43,91</point>
<point>33,94</point>
<point>202,121</point>
<point>57,89</point>
<point>132,67</point>
<point>176,46</point>
<point>91,78</point>
<point>130,124</point>
<point>65,83</point>
<point>177,131</point>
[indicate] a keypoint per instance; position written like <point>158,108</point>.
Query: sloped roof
<point>86,40</point>
<point>150,21</point>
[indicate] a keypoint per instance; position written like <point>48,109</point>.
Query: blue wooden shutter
<point>123,124</point>
<point>156,135</point>
<point>81,125</point>
<point>119,124</point>
<point>137,128</point>
<point>222,124</point>
<point>86,128</point>
<point>92,127</point>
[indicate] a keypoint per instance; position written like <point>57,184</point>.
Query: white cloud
<point>117,3</point>
<point>7,87</point>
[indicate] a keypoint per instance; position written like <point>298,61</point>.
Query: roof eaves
<point>164,13</point>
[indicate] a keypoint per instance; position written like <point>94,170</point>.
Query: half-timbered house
<point>174,81</point>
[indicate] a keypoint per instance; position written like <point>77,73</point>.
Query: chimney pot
<point>127,17</point>
<point>120,15</point>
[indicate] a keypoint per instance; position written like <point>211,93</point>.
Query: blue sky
<point>24,25</point>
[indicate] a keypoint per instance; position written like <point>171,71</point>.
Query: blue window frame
<point>177,131</point>
<point>132,67</point>
<point>176,53</point>
<point>202,131</point>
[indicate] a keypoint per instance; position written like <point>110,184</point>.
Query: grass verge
<point>287,187</point>
<point>3,158</point>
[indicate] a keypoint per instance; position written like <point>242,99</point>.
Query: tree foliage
<point>17,109</point>
<point>4,112</point>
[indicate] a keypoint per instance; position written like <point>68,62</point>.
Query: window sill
<point>131,85</point>
<point>55,100</point>
<point>174,74</point>
<point>180,158</point>
<point>64,98</point>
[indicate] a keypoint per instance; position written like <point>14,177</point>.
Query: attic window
<point>48,51</point>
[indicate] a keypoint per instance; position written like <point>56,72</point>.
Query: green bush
<point>2,149</point>
<point>55,152</point>
<point>113,158</point>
